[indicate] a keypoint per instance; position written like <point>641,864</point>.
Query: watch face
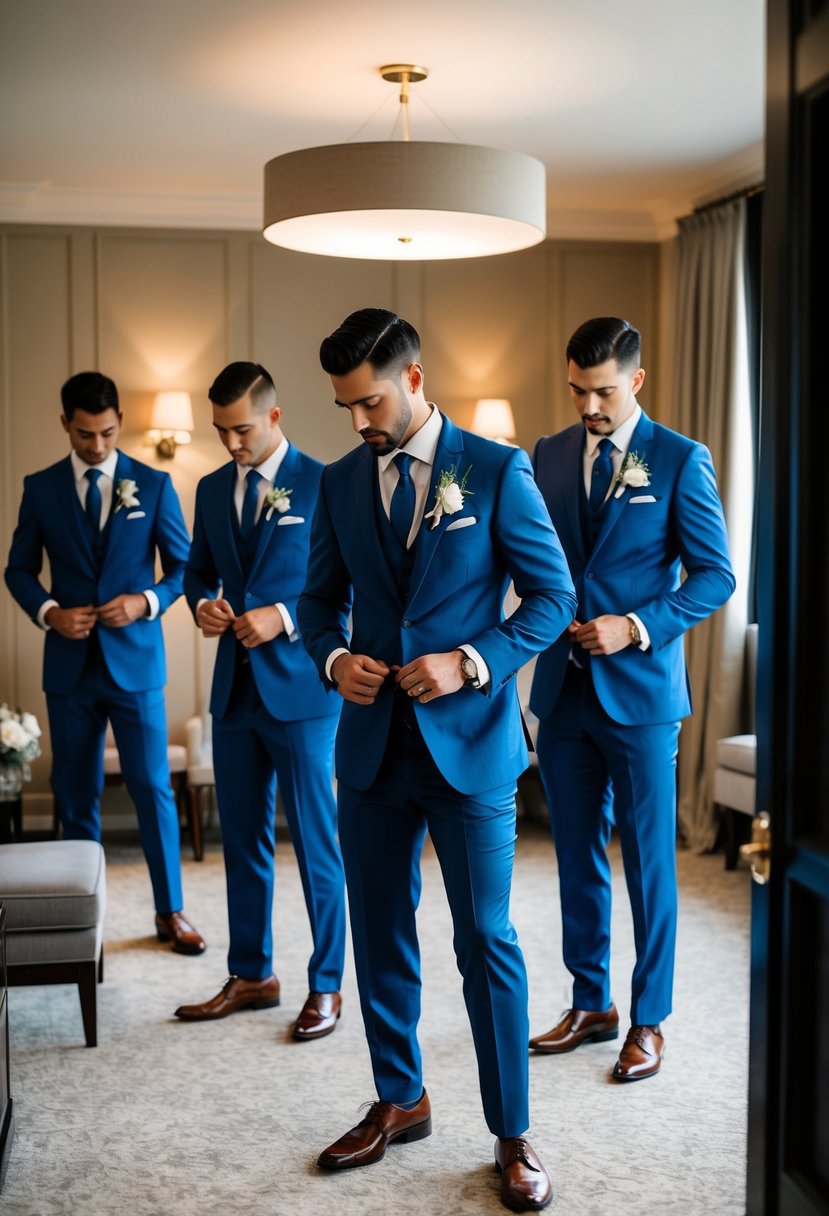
<point>469,668</point>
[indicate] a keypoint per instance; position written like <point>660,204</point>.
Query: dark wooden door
<point>788,1151</point>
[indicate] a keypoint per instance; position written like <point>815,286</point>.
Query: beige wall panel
<point>37,343</point>
<point>483,332</point>
<point>297,299</point>
<point>603,279</point>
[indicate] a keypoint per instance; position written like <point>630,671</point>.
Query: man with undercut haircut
<point>635,504</point>
<point>102,518</point>
<point>272,722</point>
<point>421,529</point>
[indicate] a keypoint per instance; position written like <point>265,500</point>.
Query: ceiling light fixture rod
<point>404,74</point>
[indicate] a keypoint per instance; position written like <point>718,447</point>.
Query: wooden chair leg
<point>732,851</point>
<point>87,992</point>
<point>101,967</point>
<point>194,818</point>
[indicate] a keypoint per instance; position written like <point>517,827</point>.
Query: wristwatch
<point>469,670</point>
<point>635,635</point>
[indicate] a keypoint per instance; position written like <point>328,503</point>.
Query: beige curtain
<point>712,394</point>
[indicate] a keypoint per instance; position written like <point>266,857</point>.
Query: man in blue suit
<point>421,529</point>
<point>271,720</point>
<point>634,504</point>
<point>100,518</point>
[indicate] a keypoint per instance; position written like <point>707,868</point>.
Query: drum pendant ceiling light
<point>407,199</point>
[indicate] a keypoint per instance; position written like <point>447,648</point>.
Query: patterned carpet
<point>228,1117</point>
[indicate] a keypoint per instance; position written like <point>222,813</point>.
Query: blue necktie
<point>401,511</point>
<point>601,475</point>
<point>250,502</point>
<point>93,501</point>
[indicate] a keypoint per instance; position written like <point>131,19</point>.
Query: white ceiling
<point>165,111</point>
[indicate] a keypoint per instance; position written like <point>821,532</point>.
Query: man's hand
<point>359,678</point>
<point>123,610</point>
<point>258,626</point>
<point>602,635</point>
<point>213,617</point>
<point>432,675</point>
<point>72,623</point>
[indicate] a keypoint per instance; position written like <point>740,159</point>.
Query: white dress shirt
<point>268,471</point>
<point>106,485</point>
<point>422,448</point>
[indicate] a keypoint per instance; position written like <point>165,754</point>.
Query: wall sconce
<point>493,419</point>
<point>171,423</point>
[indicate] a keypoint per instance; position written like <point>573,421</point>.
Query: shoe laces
<point>639,1036</point>
<point>522,1152</point>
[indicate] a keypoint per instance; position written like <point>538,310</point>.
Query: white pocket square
<point>642,498</point>
<point>291,519</point>
<point>466,522</point>
<point>136,514</point>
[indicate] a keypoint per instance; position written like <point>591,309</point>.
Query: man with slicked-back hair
<point>421,529</point>
<point>272,723</point>
<point>635,504</point>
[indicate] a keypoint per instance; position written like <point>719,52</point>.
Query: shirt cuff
<point>483,671</point>
<point>41,613</point>
<point>329,662</point>
<point>290,628</point>
<point>643,633</point>
<point>152,600</point>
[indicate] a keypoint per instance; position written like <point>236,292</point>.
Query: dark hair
<point>604,338</point>
<point>372,335</point>
<point>236,379</point>
<point>89,391</point>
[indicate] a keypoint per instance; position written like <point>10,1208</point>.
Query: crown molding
<point>42,203</point>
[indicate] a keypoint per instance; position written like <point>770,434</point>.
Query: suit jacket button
<point>407,624</point>
<point>591,576</point>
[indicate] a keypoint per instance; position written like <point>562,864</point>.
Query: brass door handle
<point>758,852</point>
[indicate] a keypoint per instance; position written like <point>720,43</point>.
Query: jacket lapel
<point>115,524</point>
<point>640,441</point>
<point>574,492</point>
<point>286,478</point>
<point>222,507</point>
<point>449,454</point>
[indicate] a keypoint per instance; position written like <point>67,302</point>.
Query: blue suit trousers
<point>252,751</point>
<point>596,771</point>
<point>77,724</point>
<point>382,831</point>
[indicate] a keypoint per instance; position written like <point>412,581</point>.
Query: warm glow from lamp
<point>493,419</point>
<point>171,423</point>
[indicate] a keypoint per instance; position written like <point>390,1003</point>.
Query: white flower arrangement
<point>278,499</point>
<point>19,737</point>
<point>634,474</point>
<point>126,494</point>
<point>449,495</point>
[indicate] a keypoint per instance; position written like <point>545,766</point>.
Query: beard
<point>383,442</point>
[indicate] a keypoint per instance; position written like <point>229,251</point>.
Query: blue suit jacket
<point>635,567</point>
<point>284,675</point>
<point>456,595</point>
<point>52,520</point>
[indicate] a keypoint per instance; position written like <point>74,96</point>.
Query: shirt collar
<point>621,437</point>
<point>422,445</point>
<point>268,468</point>
<point>107,467</point>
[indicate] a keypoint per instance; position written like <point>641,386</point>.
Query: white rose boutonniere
<point>126,494</point>
<point>634,473</point>
<point>449,495</point>
<point>278,499</point>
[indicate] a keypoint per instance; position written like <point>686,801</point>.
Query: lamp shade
<point>173,411</point>
<point>493,418</point>
<point>405,200</point>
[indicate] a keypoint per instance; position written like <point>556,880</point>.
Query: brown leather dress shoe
<point>525,1184</point>
<point>641,1055</point>
<point>319,1016</point>
<point>578,1026</point>
<point>384,1124</point>
<point>236,994</point>
<point>174,928</point>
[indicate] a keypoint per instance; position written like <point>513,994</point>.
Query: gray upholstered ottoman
<point>54,893</point>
